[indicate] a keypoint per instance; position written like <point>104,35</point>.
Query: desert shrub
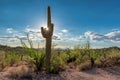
<point>56,65</point>
<point>57,62</point>
<point>80,58</point>
<point>83,52</point>
<point>97,63</point>
<point>107,57</point>
<point>14,57</point>
<point>39,61</point>
<point>76,54</point>
<point>36,56</point>
<point>11,59</point>
<point>114,57</point>
<point>2,55</point>
<point>84,66</point>
<point>64,56</point>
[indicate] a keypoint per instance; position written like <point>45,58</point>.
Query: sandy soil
<point>108,73</point>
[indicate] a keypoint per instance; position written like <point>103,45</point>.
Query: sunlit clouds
<point>64,30</point>
<point>62,38</point>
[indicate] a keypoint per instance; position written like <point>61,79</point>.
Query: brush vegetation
<point>82,57</point>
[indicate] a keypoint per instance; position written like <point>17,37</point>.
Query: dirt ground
<point>108,73</point>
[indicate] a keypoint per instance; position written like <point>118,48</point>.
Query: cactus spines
<point>47,34</point>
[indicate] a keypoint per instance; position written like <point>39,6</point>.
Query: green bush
<point>10,59</point>
<point>84,66</point>
<point>37,56</point>
<point>57,62</point>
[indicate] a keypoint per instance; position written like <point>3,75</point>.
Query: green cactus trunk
<point>47,33</point>
<point>48,53</point>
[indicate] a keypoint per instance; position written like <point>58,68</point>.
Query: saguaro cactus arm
<point>43,32</point>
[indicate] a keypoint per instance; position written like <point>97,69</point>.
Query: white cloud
<point>114,36</point>
<point>64,30</point>
<point>111,36</point>
<point>60,33</point>
<point>74,39</point>
<point>34,32</point>
<point>10,30</point>
<point>56,37</point>
<point>8,39</point>
<point>95,36</point>
<point>82,37</point>
<point>31,29</point>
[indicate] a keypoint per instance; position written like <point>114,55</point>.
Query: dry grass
<point>84,66</point>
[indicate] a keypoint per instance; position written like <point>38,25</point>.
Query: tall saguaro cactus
<point>47,34</point>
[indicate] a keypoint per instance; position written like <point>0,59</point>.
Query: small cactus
<point>47,34</point>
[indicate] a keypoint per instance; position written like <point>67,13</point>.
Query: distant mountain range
<point>12,49</point>
<point>19,49</point>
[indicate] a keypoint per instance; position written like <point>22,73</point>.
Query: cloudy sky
<point>76,21</point>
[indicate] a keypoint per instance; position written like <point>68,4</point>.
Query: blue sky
<point>76,21</point>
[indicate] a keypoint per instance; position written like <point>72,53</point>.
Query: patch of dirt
<point>16,72</point>
<point>108,73</point>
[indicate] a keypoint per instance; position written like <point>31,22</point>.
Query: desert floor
<point>107,73</point>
